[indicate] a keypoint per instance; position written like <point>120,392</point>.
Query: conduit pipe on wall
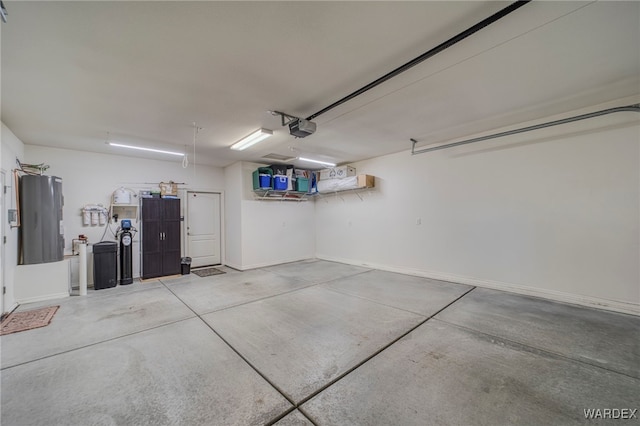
<point>82,268</point>
<point>439,48</point>
<point>627,108</point>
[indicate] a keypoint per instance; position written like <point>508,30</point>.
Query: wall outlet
<point>12,215</point>
<point>419,221</point>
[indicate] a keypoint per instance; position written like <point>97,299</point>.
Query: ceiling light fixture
<point>146,149</point>
<point>3,12</point>
<point>324,163</point>
<point>252,139</point>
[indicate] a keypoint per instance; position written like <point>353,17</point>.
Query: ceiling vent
<point>279,157</point>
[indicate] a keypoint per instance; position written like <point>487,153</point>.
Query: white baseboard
<point>11,309</point>
<point>265,264</point>
<point>576,299</point>
<point>233,266</point>
<point>43,298</point>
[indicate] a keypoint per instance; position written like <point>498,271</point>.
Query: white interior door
<point>203,228</point>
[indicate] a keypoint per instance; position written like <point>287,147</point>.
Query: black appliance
<point>126,252</point>
<point>105,264</point>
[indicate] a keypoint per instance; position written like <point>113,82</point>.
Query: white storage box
<point>351,182</point>
<point>337,172</point>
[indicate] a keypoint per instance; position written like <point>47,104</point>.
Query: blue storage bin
<point>280,183</point>
<point>265,181</point>
<point>257,183</point>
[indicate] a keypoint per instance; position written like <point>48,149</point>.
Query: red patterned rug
<point>27,320</point>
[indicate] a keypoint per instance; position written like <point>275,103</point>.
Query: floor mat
<point>27,320</point>
<point>208,272</point>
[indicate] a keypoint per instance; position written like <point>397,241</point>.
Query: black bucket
<point>186,265</point>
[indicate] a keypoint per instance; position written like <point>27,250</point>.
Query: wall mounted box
<point>129,211</point>
<point>366,181</point>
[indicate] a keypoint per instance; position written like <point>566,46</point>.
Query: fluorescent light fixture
<point>3,12</point>
<point>324,163</point>
<point>252,139</point>
<point>146,149</point>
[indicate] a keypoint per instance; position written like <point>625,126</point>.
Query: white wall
<point>233,215</point>
<point>553,213</point>
<point>11,148</point>
<point>262,233</point>
<point>91,178</point>
<point>42,281</point>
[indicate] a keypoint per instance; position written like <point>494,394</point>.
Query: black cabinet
<point>160,237</point>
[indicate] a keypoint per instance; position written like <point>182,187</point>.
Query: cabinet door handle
<point>161,234</point>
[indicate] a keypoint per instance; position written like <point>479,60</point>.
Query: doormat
<point>207,272</point>
<point>27,320</point>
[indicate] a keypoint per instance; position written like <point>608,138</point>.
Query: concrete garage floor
<point>317,342</point>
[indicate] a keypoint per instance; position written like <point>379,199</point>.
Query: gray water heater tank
<point>41,228</point>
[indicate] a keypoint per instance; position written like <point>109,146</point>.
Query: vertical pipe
<point>82,268</point>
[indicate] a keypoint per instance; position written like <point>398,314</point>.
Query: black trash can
<point>186,265</point>
<point>105,264</point>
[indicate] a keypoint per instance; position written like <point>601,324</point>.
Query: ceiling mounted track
<point>627,108</point>
<point>442,46</point>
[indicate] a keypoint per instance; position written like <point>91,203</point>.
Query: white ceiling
<point>75,74</point>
